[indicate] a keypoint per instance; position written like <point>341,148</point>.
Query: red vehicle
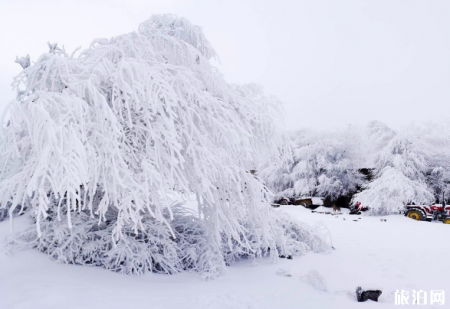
<point>357,209</point>
<point>428,213</point>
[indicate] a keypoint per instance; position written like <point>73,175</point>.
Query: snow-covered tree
<point>99,143</point>
<point>401,161</point>
<point>436,137</point>
<point>324,163</point>
<point>438,179</point>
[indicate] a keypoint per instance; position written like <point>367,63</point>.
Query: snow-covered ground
<point>397,254</point>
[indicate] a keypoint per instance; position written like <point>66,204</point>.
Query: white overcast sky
<point>332,62</point>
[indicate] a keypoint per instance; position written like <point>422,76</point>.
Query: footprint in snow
<point>283,273</point>
<point>316,280</point>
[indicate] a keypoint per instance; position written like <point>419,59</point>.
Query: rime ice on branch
<point>99,144</point>
<point>23,61</point>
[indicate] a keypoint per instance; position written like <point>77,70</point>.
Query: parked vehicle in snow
<point>439,212</point>
<point>308,202</point>
<point>357,209</point>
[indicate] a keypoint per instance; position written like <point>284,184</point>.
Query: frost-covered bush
<point>155,249</point>
<point>97,143</point>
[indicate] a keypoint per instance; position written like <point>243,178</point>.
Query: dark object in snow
<point>355,220</point>
<point>289,257</point>
<point>383,220</point>
<point>275,205</point>
<point>333,248</point>
<point>362,295</point>
<point>283,201</point>
<point>357,209</point>
<point>336,208</point>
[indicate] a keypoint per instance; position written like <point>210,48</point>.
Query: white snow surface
<point>397,254</point>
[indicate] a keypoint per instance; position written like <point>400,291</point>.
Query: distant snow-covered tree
<point>401,162</point>
<point>324,163</point>
<point>98,144</point>
<point>438,179</point>
<point>436,139</point>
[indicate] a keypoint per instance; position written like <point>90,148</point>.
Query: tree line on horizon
<point>409,165</point>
